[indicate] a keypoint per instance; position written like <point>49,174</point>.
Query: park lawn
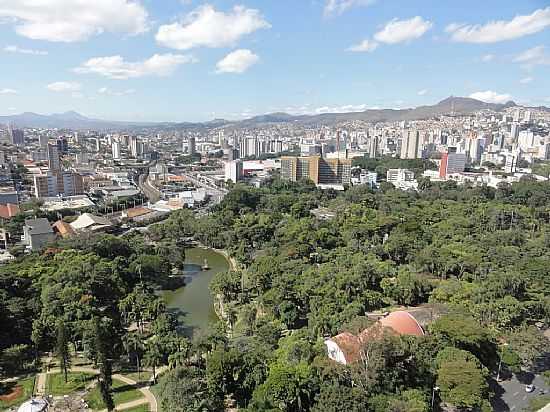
<point>156,391</point>
<point>27,386</point>
<point>145,376</point>
<point>538,403</point>
<point>76,381</point>
<point>141,408</point>
<point>121,391</point>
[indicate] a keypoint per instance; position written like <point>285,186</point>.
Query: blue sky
<point>189,60</point>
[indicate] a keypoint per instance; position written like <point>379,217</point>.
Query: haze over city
<point>179,60</point>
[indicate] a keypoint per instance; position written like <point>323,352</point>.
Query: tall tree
<point>62,349</point>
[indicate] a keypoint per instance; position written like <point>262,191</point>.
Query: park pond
<point>193,303</point>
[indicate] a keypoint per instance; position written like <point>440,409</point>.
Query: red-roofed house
<point>9,210</point>
<point>345,348</point>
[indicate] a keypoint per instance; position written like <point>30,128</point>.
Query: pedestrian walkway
<point>41,378</point>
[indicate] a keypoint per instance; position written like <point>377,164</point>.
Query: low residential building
<point>37,233</point>
<point>87,222</point>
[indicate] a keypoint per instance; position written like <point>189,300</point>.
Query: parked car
<point>529,388</point>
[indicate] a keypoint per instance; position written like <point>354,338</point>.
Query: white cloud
<point>348,108</point>
<point>115,67</point>
<point>16,49</point>
<point>108,92</point>
<point>491,97</point>
<point>205,26</point>
<point>64,87</point>
<point>8,91</point>
<point>365,46</point>
<point>237,62</point>
<point>398,31</point>
<point>496,31</point>
<point>74,20</point>
<point>488,58</point>
<point>337,7</point>
<point>526,80</point>
<point>422,92</point>
<point>533,57</point>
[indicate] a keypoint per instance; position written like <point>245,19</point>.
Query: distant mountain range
<point>76,121</point>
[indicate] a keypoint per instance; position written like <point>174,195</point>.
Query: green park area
<point>121,393</point>
<point>57,386</point>
<point>14,393</point>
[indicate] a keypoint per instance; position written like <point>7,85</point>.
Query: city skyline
<point>196,61</point>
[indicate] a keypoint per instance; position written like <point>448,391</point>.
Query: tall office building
<point>191,146</point>
<point>317,169</point>
<point>53,158</point>
<point>62,145</point>
<point>452,162</point>
<point>410,144</point>
<point>17,136</point>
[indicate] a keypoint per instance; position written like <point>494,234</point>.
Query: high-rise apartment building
<point>53,158</point>
<point>317,169</point>
<point>410,144</point>
<point>115,147</point>
<point>54,184</point>
<point>234,171</point>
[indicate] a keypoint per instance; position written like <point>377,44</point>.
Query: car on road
<point>529,388</point>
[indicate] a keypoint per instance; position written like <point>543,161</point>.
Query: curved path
<point>40,388</point>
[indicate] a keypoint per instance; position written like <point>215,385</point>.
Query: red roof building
<point>345,348</point>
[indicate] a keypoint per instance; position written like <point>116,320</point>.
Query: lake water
<point>193,303</point>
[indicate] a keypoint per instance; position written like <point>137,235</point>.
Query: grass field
<point>16,393</point>
<point>55,385</point>
<point>122,393</point>
<point>142,408</point>
<point>145,376</point>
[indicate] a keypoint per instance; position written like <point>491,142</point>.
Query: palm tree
<point>153,358</point>
<point>134,345</point>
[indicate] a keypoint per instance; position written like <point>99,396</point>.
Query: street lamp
<point>434,390</point>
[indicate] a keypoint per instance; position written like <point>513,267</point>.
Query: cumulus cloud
<point>8,91</point>
<point>490,96</point>
<point>488,58</point>
<point>337,7</point>
<point>115,67</point>
<point>526,80</point>
<point>501,30</point>
<point>205,26</point>
<point>108,92</point>
<point>16,49</point>
<point>422,92</point>
<point>365,46</point>
<point>64,87</point>
<point>74,20</point>
<point>238,61</point>
<point>398,31</point>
